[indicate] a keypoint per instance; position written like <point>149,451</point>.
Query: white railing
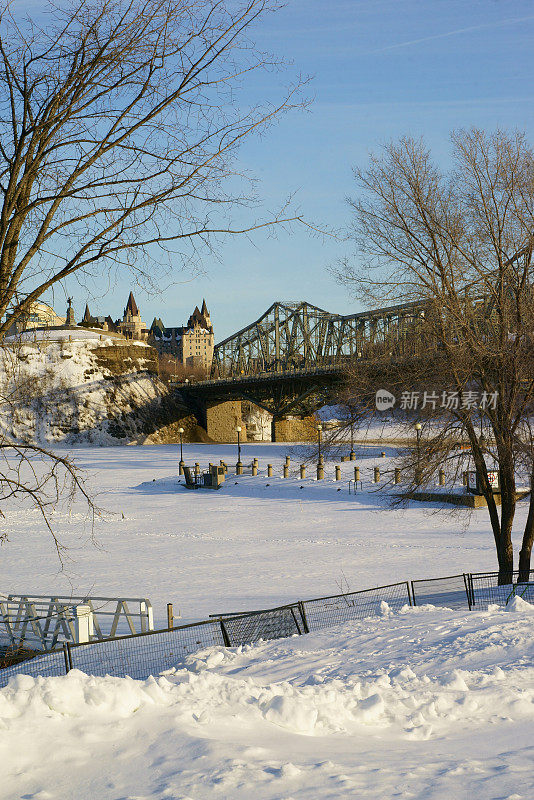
<point>40,622</point>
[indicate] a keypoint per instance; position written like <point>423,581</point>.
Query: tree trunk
<point>528,537</point>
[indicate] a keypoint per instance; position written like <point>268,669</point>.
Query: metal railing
<point>41,622</point>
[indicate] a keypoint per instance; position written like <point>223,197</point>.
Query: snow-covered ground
<point>255,543</point>
<point>425,703</point>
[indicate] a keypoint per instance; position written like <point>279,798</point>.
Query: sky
<point>381,69</point>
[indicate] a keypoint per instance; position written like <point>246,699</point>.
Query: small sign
<point>473,484</point>
<point>493,478</point>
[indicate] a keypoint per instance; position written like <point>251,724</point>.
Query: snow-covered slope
<point>73,391</point>
<point>425,703</point>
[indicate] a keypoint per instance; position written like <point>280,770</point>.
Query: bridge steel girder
<point>298,335</point>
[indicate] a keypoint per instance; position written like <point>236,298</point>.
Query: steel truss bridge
<point>294,357</point>
<point>298,336</point>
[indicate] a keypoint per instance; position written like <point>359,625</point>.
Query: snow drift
<point>349,712</point>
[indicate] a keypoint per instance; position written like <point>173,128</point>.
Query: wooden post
<point>356,473</point>
<point>382,454</point>
<point>239,468</point>
<point>197,469</point>
<point>286,470</point>
<point>302,471</point>
<point>338,473</point>
<point>397,475</point>
<point>269,470</point>
<point>254,468</point>
<point>377,475</point>
<point>441,477</point>
<point>170,616</point>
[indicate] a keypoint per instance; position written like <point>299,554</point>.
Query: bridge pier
<point>221,418</point>
<point>293,429</point>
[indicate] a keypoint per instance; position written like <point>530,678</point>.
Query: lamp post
<point>418,468</point>
<point>352,455</point>
<point>239,465</point>
<point>181,465</point>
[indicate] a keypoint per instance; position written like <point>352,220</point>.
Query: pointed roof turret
<point>87,314</point>
<point>204,309</point>
<point>131,306</point>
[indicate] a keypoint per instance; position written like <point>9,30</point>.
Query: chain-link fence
<point>144,654</point>
<point>274,623</point>
<point>322,612</point>
<point>485,589</point>
<point>451,592</point>
<point>150,653</point>
<point>48,664</point>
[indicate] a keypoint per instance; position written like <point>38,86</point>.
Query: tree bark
<point>528,537</point>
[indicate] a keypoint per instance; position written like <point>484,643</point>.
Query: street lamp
<point>239,465</point>
<point>181,432</point>
<point>418,470</point>
<point>352,455</point>
<point>319,431</point>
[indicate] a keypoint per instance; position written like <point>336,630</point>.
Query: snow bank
<point>349,712</point>
<point>62,391</point>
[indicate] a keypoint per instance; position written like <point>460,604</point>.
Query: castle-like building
<point>191,344</point>
<point>131,326</point>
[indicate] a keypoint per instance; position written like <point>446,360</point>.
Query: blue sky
<point>382,68</point>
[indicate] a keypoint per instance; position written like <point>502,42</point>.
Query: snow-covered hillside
<point>425,703</point>
<point>61,390</point>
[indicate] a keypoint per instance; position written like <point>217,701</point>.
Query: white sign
<point>493,478</point>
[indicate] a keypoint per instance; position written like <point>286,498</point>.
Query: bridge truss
<point>297,336</point>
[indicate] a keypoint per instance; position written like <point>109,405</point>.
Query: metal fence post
<point>226,638</point>
<point>68,657</point>
<point>296,621</point>
<point>466,582</point>
<point>413,593</point>
<point>303,616</point>
<point>471,588</point>
<point>409,595</point>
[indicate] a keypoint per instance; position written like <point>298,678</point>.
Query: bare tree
<point>120,121</point>
<point>460,244</point>
<point>119,125</point>
<point>29,473</point>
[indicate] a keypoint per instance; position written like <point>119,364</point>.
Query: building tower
<point>132,326</point>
